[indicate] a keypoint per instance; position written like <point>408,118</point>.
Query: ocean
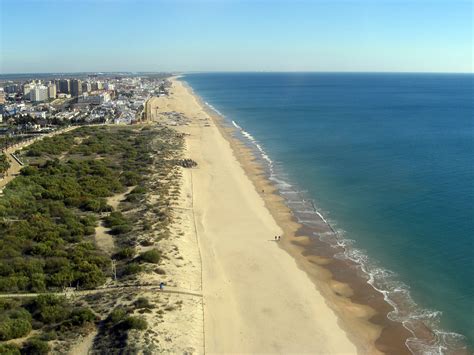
<point>388,161</point>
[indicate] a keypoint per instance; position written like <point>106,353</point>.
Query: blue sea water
<point>388,159</point>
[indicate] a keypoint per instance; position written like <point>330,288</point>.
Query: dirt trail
<point>167,289</point>
<point>84,345</point>
<point>104,240</point>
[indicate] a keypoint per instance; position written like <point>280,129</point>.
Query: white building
<point>86,87</point>
<point>39,114</point>
<point>39,93</point>
<point>27,89</point>
<point>97,99</point>
<point>109,86</point>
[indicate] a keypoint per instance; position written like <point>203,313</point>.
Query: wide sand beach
<point>256,298</point>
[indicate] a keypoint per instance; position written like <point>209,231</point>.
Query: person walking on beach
<point>162,284</point>
<point>276,238</point>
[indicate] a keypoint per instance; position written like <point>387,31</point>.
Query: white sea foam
<point>321,216</point>
<point>213,108</point>
<point>236,125</point>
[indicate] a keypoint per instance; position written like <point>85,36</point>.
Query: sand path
<point>256,300</point>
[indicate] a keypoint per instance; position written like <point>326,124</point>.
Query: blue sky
<point>232,35</point>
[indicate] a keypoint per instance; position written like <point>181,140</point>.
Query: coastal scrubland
<point>76,190</point>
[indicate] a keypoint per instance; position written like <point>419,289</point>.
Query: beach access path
<point>256,299</point>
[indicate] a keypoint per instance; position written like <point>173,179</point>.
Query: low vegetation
<point>48,218</point>
<point>151,256</point>
<point>114,330</point>
<point>54,317</point>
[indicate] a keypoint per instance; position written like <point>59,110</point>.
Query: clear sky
<point>236,35</point>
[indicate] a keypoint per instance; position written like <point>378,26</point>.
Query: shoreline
<point>256,297</point>
<point>368,327</point>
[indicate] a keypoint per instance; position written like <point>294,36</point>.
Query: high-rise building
<point>12,88</point>
<point>27,89</point>
<point>86,87</point>
<point>64,86</point>
<point>76,87</point>
<point>97,85</point>
<point>39,93</point>
<point>51,91</point>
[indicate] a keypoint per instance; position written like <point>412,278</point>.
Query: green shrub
<point>114,219</point>
<point>147,226</point>
<point>51,335</point>
<point>14,283</point>
<point>96,205</point>
<point>151,256</point>
<point>121,229</point>
<point>9,349</point>
<point>50,309</point>
<point>135,323</point>
<point>35,346</point>
<point>138,190</point>
<point>4,163</point>
<point>29,170</point>
<point>126,253</point>
<point>19,313</point>
<point>38,282</point>
<point>143,302</point>
<point>116,316</point>
<point>131,269</point>
<point>80,316</point>
<point>89,275</point>
<point>130,178</point>
<point>147,242</point>
<point>8,303</point>
<point>14,328</point>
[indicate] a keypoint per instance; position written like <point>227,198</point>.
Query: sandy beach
<point>256,297</point>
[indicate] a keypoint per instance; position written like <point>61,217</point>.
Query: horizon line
<point>236,72</point>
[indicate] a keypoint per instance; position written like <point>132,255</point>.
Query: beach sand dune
<point>256,299</point>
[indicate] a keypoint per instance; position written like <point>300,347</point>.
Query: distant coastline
<point>45,75</point>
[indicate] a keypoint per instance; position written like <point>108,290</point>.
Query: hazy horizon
<point>236,36</point>
<point>235,72</point>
